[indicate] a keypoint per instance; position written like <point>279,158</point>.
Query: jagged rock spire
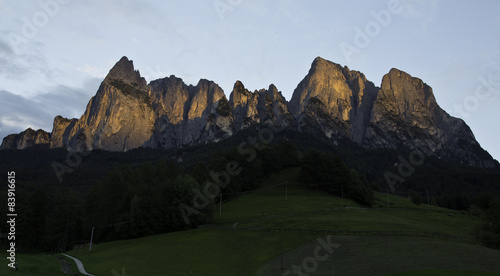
<point>124,71</point>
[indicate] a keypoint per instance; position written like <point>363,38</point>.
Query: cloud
<point>63,100</point>
<point>92,71</point>
<point>5,49</point>
<point>19,113</point>
<point>21,65</point>
<point>11,65</point>
<point>424,11</point>
<point>3,7</point>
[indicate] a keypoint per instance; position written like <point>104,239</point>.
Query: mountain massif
<point>332,101</point>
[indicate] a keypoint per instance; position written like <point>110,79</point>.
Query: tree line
<point>137,193</point>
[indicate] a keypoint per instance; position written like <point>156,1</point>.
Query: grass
<point>445,273</point>
<point>219,250</point>
<point>299,207</point>
<point>194,252</point>
<point>34,265</point>
<point>387,255</point>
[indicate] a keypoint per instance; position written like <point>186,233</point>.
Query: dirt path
<point>79,264</point>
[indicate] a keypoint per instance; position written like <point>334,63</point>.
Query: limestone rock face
<point>118,118</point>
<point>61,130</point>
<point>26,139</point>
<point>187,115</point>
<point>316,119</point>
<point>273,108</point>
<point>8,141</point>
<point>403,114</point>
<point>124,71</point>
<point>406,115</point>
<point>267,107</point>
<point>344,96</point>
<point>333,101</point>
<point>169,97</point>
<point>244,106</point>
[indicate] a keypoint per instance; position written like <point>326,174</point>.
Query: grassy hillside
<point>238,243</point>
<point>386,255</point>
<point>445,273</point>
<point>293,206</point>
<point>195,252</point>
<point>35,265</point>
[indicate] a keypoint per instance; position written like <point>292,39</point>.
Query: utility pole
<point>91,238</point>
<point>281,251</point>
<point>286,190</point>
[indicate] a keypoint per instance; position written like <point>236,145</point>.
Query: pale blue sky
<point>54,53</point>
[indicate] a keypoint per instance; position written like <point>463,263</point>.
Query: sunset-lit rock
<point>341,104</point>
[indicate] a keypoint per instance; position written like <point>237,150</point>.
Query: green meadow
<point>248,237</point>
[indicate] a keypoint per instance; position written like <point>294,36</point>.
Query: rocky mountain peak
<point>406,115</point>
<point>239,87</point>
<point>273,89</point>
<point>118,118</point>
<point>406,88</point>
<point>187,114</point>
<point>124,71</point>
<point>331,100</point>
<point>26,139</point>
<point>325,81</point>
<point>267,107</point>
<point>320,64</point>
<point>346,95</point>
<point>169,96</point>
<point>274,93</point>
